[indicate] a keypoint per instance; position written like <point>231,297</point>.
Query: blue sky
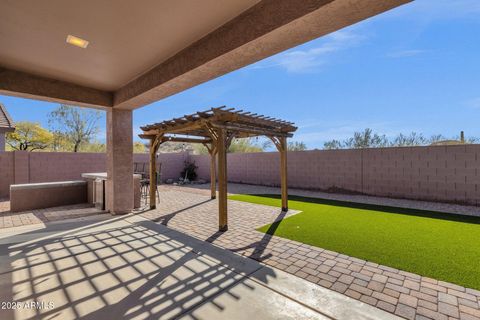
<point>415,68</point>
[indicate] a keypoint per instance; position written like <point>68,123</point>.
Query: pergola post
<point>154,144</point>
<point>213,176</point>
<point>283,173</point>
<point>222,179</point>
<point>212,150</point>
<point>281,144</point>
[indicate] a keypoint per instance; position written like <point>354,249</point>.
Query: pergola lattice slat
<point>216,128</point>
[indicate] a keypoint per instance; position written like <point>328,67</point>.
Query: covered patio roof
<point>140,52</point>
<point>216,128</point>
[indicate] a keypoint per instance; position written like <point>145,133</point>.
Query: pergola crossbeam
<point>253,131</point>
<point>187,140</point>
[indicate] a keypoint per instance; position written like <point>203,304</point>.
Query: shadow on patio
<point>197,215</point>
<point>114,268</point>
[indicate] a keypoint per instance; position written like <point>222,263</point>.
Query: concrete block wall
<point>203,164</point>
<point>446,173</point>
<point>442,173</point>
<point>2,141</point>
<point>306,169</point>
<point>172,164</point>
<point>30,167</point>
<point>61,166</point>
<point>325,169</point>
<point>6,172</point>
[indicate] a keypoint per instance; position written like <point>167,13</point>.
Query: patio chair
<point>145,182</point>
<point>139,168</point>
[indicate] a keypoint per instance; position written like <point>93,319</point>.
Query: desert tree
<point>333,145</point>
<point>296,146</point>
<point>366,139</point>
<point>74,125</point>
<point>412,139</point>
<point>29,136</point>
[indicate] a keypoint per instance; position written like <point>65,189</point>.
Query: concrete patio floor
<point>132,268</point>
<point>411,296</point>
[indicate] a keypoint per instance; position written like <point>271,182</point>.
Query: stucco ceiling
<point>127,38</point>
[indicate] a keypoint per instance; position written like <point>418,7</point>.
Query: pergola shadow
<point>127,270</point>
<point>260,246</point>
<point>164,220</point>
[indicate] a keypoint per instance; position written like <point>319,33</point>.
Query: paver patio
<point>405,294</point>
<point>10,219</point>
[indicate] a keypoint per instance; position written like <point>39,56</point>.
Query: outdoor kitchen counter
<point>103,175</point>
<point>97,182</point>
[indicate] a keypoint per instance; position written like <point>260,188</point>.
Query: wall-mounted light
<point>78,42</point>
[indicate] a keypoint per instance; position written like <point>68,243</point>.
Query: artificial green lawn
<point>438,245</point>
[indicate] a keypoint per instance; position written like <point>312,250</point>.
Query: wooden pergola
<point>215,129</point>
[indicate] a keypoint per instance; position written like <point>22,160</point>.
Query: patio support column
<point>119,186</point>
<point>222,179</point>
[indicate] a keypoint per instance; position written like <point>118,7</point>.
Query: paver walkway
<point>4,205</point>
<point>16,219</point>
<point>405,294</point>
<point>237,188</point>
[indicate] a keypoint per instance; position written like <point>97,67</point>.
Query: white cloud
<point>315,133</point>
<point>448,8</point>
<point>308,60</point>
<point>437,9</point>
<point>405,53</point>
<point>474,103</point>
